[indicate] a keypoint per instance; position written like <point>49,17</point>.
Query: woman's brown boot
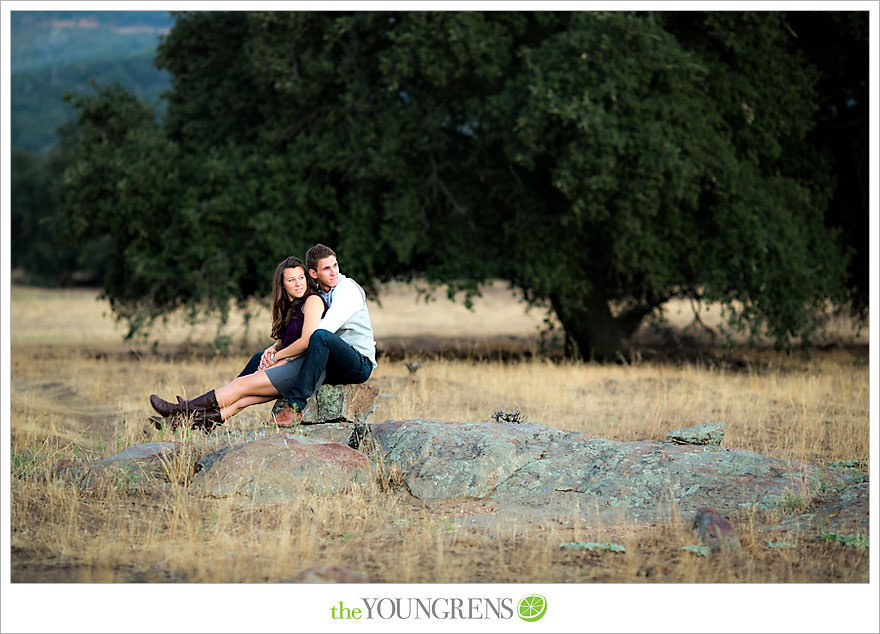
<point>206,401</point>
<point>207,419</point>
<point>163,407</point>
<point>205,411</point>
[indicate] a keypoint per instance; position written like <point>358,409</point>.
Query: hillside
<point>55,52</point>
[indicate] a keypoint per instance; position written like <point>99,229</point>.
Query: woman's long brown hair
<point>282,307</point>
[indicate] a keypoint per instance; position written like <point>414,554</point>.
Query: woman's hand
<point>278,362</point>
<point>267,358</point>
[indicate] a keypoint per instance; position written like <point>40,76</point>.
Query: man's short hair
<point>318,252</point>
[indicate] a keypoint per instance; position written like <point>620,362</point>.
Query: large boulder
<point>538,469</point>
<point>279,468</point>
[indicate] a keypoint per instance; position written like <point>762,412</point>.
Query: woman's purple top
<point>294,328</point>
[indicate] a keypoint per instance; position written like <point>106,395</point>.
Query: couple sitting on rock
<point>322,333</point>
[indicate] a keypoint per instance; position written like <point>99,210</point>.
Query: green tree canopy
<point>601,162</point>
<point>41,247</point>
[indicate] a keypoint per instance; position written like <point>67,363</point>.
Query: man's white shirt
<point>344,299</point>
<point>349,318</point>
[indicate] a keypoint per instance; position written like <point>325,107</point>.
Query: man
<point>342,349</point>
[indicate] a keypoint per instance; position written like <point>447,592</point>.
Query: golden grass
<point>78,317</point>
<point>76,390</point>
<point>826,401</point>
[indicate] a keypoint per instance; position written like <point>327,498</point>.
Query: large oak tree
<point>602,163</point>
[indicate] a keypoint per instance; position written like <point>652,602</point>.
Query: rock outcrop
<point>517,472</point>
<point>563,474</point>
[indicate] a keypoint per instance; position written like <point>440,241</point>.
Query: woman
<point>297,307</point>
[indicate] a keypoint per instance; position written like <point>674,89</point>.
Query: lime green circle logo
<point>532,607</point>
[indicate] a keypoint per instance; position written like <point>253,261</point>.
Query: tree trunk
<point>590,333</point>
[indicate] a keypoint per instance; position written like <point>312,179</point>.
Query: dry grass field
<point>77,390</point>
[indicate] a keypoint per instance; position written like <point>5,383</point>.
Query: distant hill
<point>46,38</point>
<point>54,52</point>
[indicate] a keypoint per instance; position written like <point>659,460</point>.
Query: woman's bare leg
<point>241,392</point>
<point>255,388</point>
<point>234,408</point>
<point>229,400</point>
<point>256,384</point>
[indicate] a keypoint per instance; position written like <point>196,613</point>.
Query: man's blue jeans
<point>327,352</point>
<point>252,365</point>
